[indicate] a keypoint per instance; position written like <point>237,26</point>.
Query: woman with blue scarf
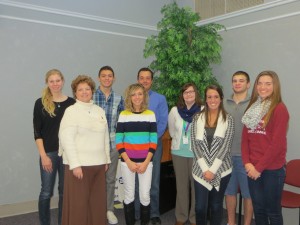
<point>179,122</point>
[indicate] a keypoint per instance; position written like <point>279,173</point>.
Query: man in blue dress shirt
<point>158,104</point>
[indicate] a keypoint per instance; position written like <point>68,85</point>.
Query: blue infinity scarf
<point>187,114</point>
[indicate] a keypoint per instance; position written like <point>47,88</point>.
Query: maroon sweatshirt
<point>266,147</point>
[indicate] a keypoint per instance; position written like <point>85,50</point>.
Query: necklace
<point>57,104</point>
<point>58,100</point>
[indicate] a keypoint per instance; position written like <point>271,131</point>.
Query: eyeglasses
<point>188,92</point>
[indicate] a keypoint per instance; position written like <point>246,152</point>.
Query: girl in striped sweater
<point>136,140</point>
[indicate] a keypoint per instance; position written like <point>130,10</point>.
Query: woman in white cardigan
<point>211,134</point>
<point>84,144</point>
<point>180,118</point>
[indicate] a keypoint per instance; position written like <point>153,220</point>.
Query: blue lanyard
<point>186,127</point>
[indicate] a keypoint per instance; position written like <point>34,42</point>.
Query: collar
<point>245,100</point>
<point>220,129</point>
<point>101,92</point>
<point>85,104</point>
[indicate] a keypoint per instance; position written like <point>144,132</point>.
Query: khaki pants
<point>185,200</point>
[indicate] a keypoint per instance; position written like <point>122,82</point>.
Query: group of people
<point>225,146</point>
<point>219,147</point>
<point>81,139</point>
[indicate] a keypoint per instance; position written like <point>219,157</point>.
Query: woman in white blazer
<point>179,121</point>
<point>211,136</point>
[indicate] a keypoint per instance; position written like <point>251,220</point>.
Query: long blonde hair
<point>47,98</point>
<point>129,91</point>
<point>275,97</point>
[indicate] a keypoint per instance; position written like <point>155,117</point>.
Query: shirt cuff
<point>202,164</point>
<point>215,166</point>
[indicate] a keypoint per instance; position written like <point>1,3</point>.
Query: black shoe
<point>155,221</point>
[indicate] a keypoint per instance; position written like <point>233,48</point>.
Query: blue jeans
<point>154,191</point>
<point>266,197</point>
<point>48,182</point>
<point>210,201</point>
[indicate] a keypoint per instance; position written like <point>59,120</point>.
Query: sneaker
<point>112,219</point>
<point>155,221</point>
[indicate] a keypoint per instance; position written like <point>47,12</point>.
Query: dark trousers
<point>210,201</point>
<point>266,194</point>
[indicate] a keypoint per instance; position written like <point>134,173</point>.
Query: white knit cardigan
<point>84,136</point>
<point>217,159</point>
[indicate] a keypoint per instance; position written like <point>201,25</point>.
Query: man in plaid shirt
<point>112,104</point>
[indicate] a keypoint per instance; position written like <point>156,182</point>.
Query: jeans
<point>211,200</point>
<point>154,191</point>
<point>266,194</point>
<point>48,182</point>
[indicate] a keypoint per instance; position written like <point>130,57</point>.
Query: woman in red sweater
<point>264,148</point>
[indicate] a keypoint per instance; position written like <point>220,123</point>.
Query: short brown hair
<point>145,69</point>
<point>106,68</point>
<point>82,79</point>
<point>240,72</point>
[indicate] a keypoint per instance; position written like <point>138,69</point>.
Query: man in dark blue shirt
<point>158,104</point>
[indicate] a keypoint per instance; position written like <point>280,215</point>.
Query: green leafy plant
<point>183,51</point>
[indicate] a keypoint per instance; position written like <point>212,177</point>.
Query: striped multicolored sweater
<point>136,134</point>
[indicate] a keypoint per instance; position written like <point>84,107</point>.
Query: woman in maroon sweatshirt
<point>264,148</point>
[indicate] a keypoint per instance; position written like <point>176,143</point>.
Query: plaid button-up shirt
<point>112,107</point>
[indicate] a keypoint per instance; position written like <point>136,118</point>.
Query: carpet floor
<point>167,218</point>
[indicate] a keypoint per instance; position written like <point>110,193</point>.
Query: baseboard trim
<point>23,208</point>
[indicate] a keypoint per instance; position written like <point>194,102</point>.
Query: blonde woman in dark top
<point>47,114</point>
